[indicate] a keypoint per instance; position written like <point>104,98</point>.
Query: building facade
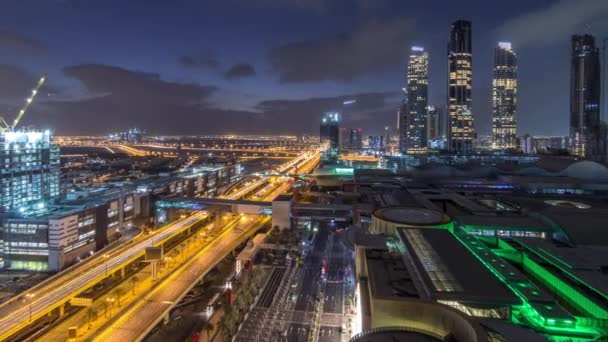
<point>504,98</point>
<point>29,169</point>
<point>461,130</point>
<point>587,132</point>
<point>432,123</point>
<point>330,130</point>
<point>415,125</point>
<point>356,139</point>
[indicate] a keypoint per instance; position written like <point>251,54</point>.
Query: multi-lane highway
<point>15,315</point>
<point>18,313</point>
<point>136,322</point>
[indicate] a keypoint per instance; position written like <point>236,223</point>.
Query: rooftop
<point>410,215</point>
<point>450,271</point>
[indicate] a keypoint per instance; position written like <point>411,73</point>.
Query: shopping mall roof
<point>506,222</point>
<point>394,334</point>
<point>450,271</point>
<point>388,276</point>
<point>411,215</point>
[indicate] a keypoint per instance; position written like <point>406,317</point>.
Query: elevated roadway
<point>140,319</point>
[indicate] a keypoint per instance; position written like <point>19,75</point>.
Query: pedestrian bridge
<point>286,208</point>
<point>215,205</point>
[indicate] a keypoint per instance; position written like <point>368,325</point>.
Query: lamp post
<point>106,257</point>
<point>28,298</point>
<point>109,301</point>
<point>603,83</point>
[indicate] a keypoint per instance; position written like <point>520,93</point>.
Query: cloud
<point>371,110</point>
<point>555,22</point>
<point>375,46</point>
<point>114,98</point>
<point>326,7</point>
<point>15,82</point>
<point>200,59</point>
<point>240,70</point>
<point>120,83</point>
<point>18,41</point>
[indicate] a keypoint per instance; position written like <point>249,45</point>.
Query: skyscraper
<point>587,132</point>
<point>432,123</point>
<point>356,138</point>
<point>461,130</point>
<point>330,131</point>
<point>417,100</point>
<point>29,170</point>
<point>504,98</point>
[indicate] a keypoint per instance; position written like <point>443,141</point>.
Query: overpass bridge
<point>282,206</point>
<point>213,205</point>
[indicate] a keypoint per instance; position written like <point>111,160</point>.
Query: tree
<point>117,293</point>
<point>134,281</point>
<point>208,328</point>
<point>92,314</point>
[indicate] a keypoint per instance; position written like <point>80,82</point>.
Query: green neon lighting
<point>344,171</point>
<point>550,318</point>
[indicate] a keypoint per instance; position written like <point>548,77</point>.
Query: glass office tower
<point>29,170</point>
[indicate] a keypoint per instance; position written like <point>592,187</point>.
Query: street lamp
<point>106,257</point>
<point>28,298</point>
<point>109,301</point>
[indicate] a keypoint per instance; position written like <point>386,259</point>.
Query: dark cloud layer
<point>240,70</point>
<point>371,110</point>
<point>15,40</point>
<point>200,59</point>
<point>556,21</point>
<point>375,46</point>
<point>15,82</point>
<point>115,98</point>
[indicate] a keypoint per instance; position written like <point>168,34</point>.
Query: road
<point>142,317</point>
<point>15,315</point>
<point>298,316</point>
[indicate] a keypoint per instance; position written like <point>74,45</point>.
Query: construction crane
<point>4,126</point>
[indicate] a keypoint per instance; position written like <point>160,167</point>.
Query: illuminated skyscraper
<point>587,132</point>
<point>432,123</point>
<point>504,98</point>
<point>417,99</point>
<point>461,130</point>
<point>29,170</point>
<point>330,131</point>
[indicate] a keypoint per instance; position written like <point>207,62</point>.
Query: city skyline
<point>255,84</point>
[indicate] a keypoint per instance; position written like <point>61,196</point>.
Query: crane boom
<point>27,103</point>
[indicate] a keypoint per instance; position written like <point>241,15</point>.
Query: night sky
<point>272,66</point>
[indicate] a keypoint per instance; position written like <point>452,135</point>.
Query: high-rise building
<point>330,130</point>
<point>402,124</point>
<point>356,139</point>
<point>432,123</point>
<point>375,142</point>
<point>587,132</point>
<point>461,130</point>
<point>417,99</point>
<point>504,98</point>
<point>29,170</point>
<point>526,144</point>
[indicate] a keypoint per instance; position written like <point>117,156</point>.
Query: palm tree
<point>117,293</point>
<point>92,314</point>
<point>208,328</point>
<point>134,281</point>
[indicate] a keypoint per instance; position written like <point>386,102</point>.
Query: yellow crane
<point>4,126</point>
